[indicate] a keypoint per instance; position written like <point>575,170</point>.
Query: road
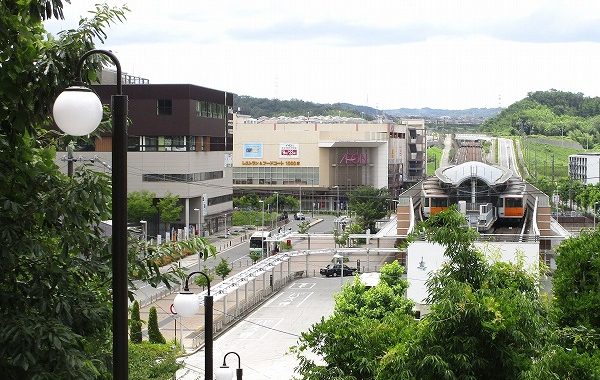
<point>506,155</point>
<point>233,249</point>
<point>264,337</point>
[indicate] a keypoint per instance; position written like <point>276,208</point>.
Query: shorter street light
<point>226,373</point>
<point>186,304</point>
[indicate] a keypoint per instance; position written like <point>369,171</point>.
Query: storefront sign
<point>354,158</point>
<point>289,150</point>
<point>253,150</point>
<point>270,163</point>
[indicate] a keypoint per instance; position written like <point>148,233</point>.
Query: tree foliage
<point>223,269</point>
<point>135,323</point>
<point>365,322</point>
<point>577,281</point>
<point>551,113</point>
<point>257,107</point>
<point>201,280</point>
<point>154,334</point>
<point>169,208</point>
<point>140,205</point>
<point>151,361</point>
<point>54,294</point>
<point>369,204</point>
<point>486,321</point>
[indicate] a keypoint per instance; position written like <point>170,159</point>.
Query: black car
<point>334,270</point>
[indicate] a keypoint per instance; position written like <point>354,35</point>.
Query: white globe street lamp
<point>187,304</point>
<point>226,373</point>
<point>78,111</point>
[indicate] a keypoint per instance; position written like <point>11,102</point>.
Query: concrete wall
<point>432,256</point>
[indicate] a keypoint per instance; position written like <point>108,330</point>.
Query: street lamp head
<point>196,209</point>
<point>186,304</point>
<point>224,373</point>
<point>77,111</point>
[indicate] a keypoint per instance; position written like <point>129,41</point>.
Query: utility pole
<point>552,168</point>
<point>70,159</point>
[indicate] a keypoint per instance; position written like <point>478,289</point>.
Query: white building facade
<point>585,168</point>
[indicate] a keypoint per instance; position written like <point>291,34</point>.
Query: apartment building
<point>585,167</point>
<point>321,161</point>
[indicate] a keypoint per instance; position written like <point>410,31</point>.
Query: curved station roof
<point>492,175</point>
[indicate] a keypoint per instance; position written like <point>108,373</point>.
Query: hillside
<point>257,107</point>
<point>482,113</point>
<point>551,113</point>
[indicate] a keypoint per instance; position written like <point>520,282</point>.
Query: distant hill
<point>551,113</point>
<point>257,107</point>
<point>434,113</point>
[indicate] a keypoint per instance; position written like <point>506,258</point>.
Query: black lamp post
<point>226,373</point>
<point>186,304</point>
<point>78,111</point>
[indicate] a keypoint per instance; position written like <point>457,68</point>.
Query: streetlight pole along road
<point>78,111</point>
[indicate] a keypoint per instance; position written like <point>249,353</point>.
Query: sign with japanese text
<point>289,150</point>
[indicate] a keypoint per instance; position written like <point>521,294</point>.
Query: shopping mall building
<point>319,160</point>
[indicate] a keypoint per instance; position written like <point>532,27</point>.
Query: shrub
<point>154,335</point>
<point>223,269</point>
<point>135,324</point>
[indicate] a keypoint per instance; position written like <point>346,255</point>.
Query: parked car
<point>299,216</point>
<point>335,270</point>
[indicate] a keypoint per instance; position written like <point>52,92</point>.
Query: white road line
<point>305,298</point>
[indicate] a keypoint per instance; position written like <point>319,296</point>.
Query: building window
<point>164,107</point>
<point>275,176</point>
<point>189,177</point>
<point>212,110</point>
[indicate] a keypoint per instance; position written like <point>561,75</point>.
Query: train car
<point>434,203</point>
<point>511,206</point>
<point>433,199</point>
<point>512,202</point>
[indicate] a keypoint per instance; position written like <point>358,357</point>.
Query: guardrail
<point>224,320</point>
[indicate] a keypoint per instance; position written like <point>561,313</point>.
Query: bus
<point>259,243</point>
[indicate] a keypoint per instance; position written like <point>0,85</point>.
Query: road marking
<point>303,285</point>
<point>305,298</point>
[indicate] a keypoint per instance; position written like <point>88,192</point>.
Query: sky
<point>452,54</point>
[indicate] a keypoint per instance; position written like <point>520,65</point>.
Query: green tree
<point>303,226</point>
<point>223,269</point>
<point>364,325</point>
<point>486,319</point>
<point>576,284</point>
<point>153,361</point>
<point>55,303</point>
<point>369,204</point>
<point>201,280</point>
<point>154,334</point>
<point>169,209</point>
<point>255,256</point>
<point>140,205</point>
<point>135,323</point>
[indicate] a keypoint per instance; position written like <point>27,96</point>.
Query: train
<point>434,199</point>
<point>512,203</point>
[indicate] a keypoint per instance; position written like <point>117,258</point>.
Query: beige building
<point>321,161</point>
